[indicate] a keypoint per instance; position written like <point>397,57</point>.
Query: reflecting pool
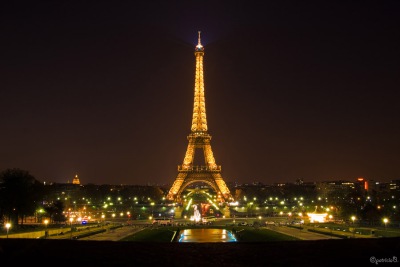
<point>206,235</point>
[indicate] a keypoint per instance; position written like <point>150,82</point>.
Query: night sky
<point>294,89</point>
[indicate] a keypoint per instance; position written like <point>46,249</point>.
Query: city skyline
<point>293,90</point>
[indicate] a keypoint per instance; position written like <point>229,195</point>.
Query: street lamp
<point>70,223</point>
<point>353,218</point>
<point>385,221</point>
<point>152,209</point>
<point>102,220</point>
<point>134,203</point>
<point>45,231</point>
<point>249,206</point>
<point>8,225</point>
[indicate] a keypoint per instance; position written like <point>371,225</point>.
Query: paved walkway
<point>304,234</point>
<point>115,234</point>
<point>301,234</point>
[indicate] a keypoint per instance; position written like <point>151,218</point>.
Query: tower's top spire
<point>199,120</point>
<point>199,47</point>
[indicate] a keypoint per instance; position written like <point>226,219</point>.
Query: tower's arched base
<point>186,178</point>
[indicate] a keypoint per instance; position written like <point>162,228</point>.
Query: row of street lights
<point>8,226</point>
<point>385,220</point>
<point>46,222</point>
<point>353,218</point>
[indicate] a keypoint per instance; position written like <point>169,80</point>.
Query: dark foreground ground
<point>358,252</point>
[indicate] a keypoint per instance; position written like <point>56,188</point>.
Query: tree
<point>20,194</point>
<point>55,211</point>
<point>370,214</point>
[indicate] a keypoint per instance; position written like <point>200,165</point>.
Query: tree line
<point>21,194</point>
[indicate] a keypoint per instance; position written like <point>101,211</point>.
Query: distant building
<point>335,190</point>
<point>76,180</point>
<point>363,183</point>
<point>394,185</point>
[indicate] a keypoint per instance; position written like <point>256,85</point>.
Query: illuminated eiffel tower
<point>199,138</point>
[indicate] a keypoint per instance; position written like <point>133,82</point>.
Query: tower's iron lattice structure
<point>199,138</point>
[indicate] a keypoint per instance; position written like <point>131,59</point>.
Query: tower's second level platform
<point>192,168</point>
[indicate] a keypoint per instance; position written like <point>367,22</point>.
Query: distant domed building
<point>76,180</point>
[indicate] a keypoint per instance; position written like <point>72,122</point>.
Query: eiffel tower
<point>199,138</point>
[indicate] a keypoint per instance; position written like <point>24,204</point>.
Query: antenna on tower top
<point>199,47</point>
<point>199,39</point>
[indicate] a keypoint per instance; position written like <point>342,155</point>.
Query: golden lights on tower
<point>199,139</point>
